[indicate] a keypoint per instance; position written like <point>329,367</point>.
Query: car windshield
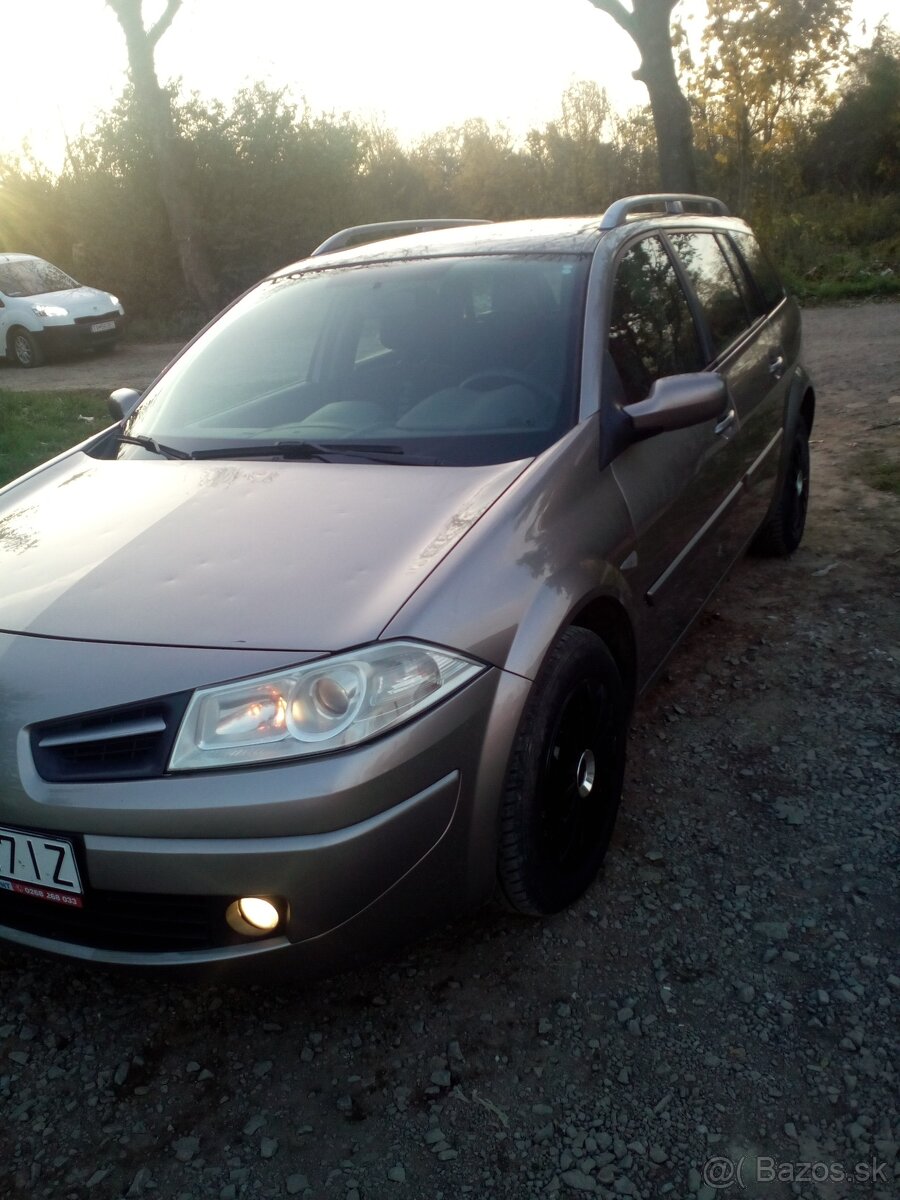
<point>33,277</point>
<point>462,361</point>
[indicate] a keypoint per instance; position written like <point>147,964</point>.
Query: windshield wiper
<point>321,451</point>
<point>149,443</point>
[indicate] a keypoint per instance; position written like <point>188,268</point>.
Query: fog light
<point>252,916</point>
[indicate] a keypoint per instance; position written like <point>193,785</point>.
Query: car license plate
<point>44,868</point>
<point>102,326</point>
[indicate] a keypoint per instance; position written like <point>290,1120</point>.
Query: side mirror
<point>677,402</point>
<point>122,403</point>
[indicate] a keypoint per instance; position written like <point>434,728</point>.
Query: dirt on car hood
<point>270,555</point>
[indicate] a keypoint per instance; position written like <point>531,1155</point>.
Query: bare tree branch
<point>154,34</point>
<point>618,12</point>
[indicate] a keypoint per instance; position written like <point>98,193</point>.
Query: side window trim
<point>687,287</point>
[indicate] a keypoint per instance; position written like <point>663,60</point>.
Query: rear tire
<point>23,349</point>
<point>782,530</point>
<point>565,777</point>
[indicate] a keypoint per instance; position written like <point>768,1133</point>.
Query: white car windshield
<point>33,277</point>
<point>464,360</point>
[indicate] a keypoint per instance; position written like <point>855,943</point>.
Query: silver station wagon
<point>337,630</point>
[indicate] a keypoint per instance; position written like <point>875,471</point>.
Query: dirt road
<point>131,364</point>
<point>723,1002</point>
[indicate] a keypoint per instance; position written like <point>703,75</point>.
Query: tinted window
<point>467,360</point>
<point>651,332</point>
<point>769,286</point>
<point>715,285</point>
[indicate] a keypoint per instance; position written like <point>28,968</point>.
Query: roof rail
<point>358,235</point>
<point>673,203</point>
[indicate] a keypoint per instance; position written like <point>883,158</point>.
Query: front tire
<point>782,530</point>
<point>23,349</point>
<point>565,777</point>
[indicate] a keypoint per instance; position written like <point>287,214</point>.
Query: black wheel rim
<point>573,785</point>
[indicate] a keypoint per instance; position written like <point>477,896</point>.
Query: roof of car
<point>11,256</point>
<point>546,235</point>
<point>568,235</point>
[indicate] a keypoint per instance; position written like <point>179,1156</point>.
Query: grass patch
<point>829,291</point>
<point>880,472</point>
<point>34,426</point>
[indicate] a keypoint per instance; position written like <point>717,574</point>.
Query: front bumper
<point>364,848</point>
<point>66,339</point>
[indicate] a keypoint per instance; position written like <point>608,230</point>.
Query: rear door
<point>777,321</point>
<point>744,347</point>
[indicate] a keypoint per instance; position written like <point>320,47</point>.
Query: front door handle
<point>727,424</point>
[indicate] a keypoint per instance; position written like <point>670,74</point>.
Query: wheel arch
<point>808,407</point>
<point>607,617</point>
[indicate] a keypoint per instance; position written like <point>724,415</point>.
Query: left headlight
<point>49,310</point>
<point>320,706</point>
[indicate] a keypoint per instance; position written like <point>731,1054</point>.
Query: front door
<point>680,486</point>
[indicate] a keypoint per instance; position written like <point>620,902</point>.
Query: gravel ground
<point>723,1001</point>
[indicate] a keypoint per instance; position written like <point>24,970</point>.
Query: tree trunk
<point>648,27</point>
<point>172,167</point>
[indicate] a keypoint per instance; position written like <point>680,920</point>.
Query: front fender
<point>550,546</point>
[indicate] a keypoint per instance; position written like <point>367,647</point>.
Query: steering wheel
<point>503,375</point>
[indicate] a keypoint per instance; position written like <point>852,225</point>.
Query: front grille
<point>131,742</point>
<point>128,921</point>
<point>108,316</point>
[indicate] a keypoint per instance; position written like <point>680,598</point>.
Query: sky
<point>416,66</point>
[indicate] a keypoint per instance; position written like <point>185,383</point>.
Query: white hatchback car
<point>43,311</point>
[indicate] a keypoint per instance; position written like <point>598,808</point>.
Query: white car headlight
<point>323,705</point>
<point>49,310</point>
<point>114,300</point>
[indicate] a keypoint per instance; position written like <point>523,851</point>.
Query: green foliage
<point>855,147</point>
<point>35,426</point>
<point>835,246</point>
<point>765,63</point>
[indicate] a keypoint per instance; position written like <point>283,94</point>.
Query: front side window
<point>651,333</point>
<point>715,285</point>
<point>464,360</point>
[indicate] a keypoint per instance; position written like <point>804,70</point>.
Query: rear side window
<point>716,287</point>
<point>651,331</point>
<point>765,277</point>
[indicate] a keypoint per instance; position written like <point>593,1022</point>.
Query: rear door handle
<point>777,366</point>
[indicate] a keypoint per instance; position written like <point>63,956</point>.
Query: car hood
<point>302,556</point>
<point>80,301</point>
